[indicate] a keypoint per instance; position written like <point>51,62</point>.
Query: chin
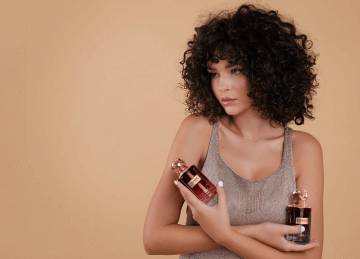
<point>234,110</point>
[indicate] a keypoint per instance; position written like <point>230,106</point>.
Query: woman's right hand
<point>273,235</point>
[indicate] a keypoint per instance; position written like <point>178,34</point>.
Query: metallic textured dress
<point>249,202</point>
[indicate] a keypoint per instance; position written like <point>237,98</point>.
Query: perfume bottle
<point>299,213</point>
<point>194,180</point>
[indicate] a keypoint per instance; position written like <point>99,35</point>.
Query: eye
<point>212,75</point>
<point>237,71</point>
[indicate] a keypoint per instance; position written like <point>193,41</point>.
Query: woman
<point>247,74</point>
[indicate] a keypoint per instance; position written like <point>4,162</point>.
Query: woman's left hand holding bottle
<point>273,235</point>
<point>213,220</point>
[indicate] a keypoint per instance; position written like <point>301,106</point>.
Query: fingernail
<point>175,182</point>
<point>221,184</point>
<point>302,228</point>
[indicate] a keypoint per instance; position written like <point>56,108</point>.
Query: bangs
<point>221,51</point>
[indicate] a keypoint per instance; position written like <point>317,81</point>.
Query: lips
<point>225,99</point>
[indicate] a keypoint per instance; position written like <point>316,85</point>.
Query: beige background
<point>89,110</point>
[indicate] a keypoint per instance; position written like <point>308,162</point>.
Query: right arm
<point>162,233</point>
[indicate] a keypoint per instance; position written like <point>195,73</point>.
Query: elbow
<point>152,247</point>
<point>149,244</point>
<point>156,241</point>
<point>154,244</point>
<point>148,247</point>
<point>148,250</point>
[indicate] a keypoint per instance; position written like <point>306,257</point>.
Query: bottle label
<point>194,181</point>
<point>302,221</point>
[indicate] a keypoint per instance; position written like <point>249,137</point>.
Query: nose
<point>224,84</point>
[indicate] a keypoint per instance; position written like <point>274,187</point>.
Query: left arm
<point>309,170</point>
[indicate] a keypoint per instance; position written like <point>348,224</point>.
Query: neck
<point>249,126</point>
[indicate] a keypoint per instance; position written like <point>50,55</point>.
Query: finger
<point>295,247</point>
<point>297,229</point>
<point>187,202</point>
<point>183,192</point>
<point>189,197</point>
<point>221,194</point>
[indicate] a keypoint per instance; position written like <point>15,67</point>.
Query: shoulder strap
<point>287,156</point>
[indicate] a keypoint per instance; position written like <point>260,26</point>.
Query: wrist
<point>248,230</point>
<point>227,236</point>
<point>256,230</point>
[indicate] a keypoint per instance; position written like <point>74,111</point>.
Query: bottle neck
<point>181,170</point>
<point>299,206</point>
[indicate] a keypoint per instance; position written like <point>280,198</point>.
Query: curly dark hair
<point>275,59</point>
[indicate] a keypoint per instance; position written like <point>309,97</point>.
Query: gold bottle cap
<point>300,197</point>
<point>178,166</point>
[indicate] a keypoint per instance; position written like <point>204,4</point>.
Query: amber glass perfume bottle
<point>299,213</point>
<point>194,180</point>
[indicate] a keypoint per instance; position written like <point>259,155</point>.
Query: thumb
<point>221,194</point>
<point>294,229</point>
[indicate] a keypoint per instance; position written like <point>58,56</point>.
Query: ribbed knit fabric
<point>249,202</point>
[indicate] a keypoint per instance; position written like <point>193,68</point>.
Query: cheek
<point>214,90</point>
<point>243,88</point>
<point>217,94</point>
<point>243,91</point>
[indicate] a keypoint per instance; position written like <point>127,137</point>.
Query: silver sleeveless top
<point>249,202</point>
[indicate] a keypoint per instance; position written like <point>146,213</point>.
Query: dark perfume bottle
<point>299,213</point>
<point>194,180</point>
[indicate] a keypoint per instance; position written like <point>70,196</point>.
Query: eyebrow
<point>231,64</point>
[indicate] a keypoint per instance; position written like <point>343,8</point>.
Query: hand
<point>273,235</point>
<point>214,220</point>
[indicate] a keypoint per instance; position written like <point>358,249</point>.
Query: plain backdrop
<point>89,109</point>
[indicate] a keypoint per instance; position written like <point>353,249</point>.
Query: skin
<point>253,148</point>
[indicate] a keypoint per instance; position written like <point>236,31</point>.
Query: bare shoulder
<point>193,138</point>
<point>196,122</point>
<point>305,141</point>
<point>307,152</point>
<point>197,126</point>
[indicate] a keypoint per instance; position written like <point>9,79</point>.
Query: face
<point>230,86</point>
